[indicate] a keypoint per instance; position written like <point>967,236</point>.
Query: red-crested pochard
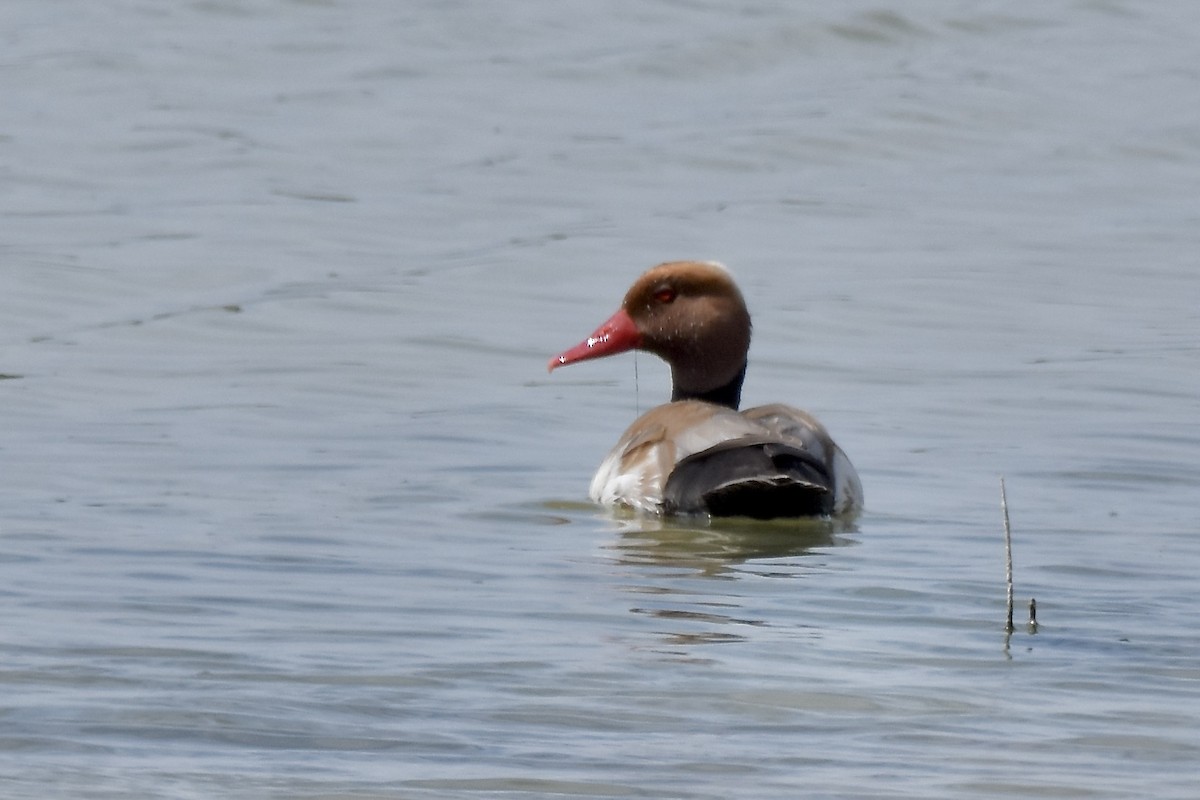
<point>698,454</point>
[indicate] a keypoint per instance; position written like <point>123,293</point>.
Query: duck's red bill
<point>616,335</point>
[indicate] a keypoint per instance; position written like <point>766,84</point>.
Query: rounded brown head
<point>690,314</point>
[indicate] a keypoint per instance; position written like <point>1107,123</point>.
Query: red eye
<point>665,295</point>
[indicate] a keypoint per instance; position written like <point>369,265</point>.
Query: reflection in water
<point>675,561</point>
<point>712,547</point>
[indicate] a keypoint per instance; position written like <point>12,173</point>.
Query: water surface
<point>292,509</point>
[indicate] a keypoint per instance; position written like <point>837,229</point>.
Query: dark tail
<point>740,478</point>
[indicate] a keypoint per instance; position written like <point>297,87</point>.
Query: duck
<point>699,454</point>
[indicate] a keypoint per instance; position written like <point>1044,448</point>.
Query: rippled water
<point>291,508</point>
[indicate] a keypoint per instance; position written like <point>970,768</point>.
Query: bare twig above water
<point>1008,572</point>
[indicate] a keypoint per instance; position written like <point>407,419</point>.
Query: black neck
<point>728,395</point>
